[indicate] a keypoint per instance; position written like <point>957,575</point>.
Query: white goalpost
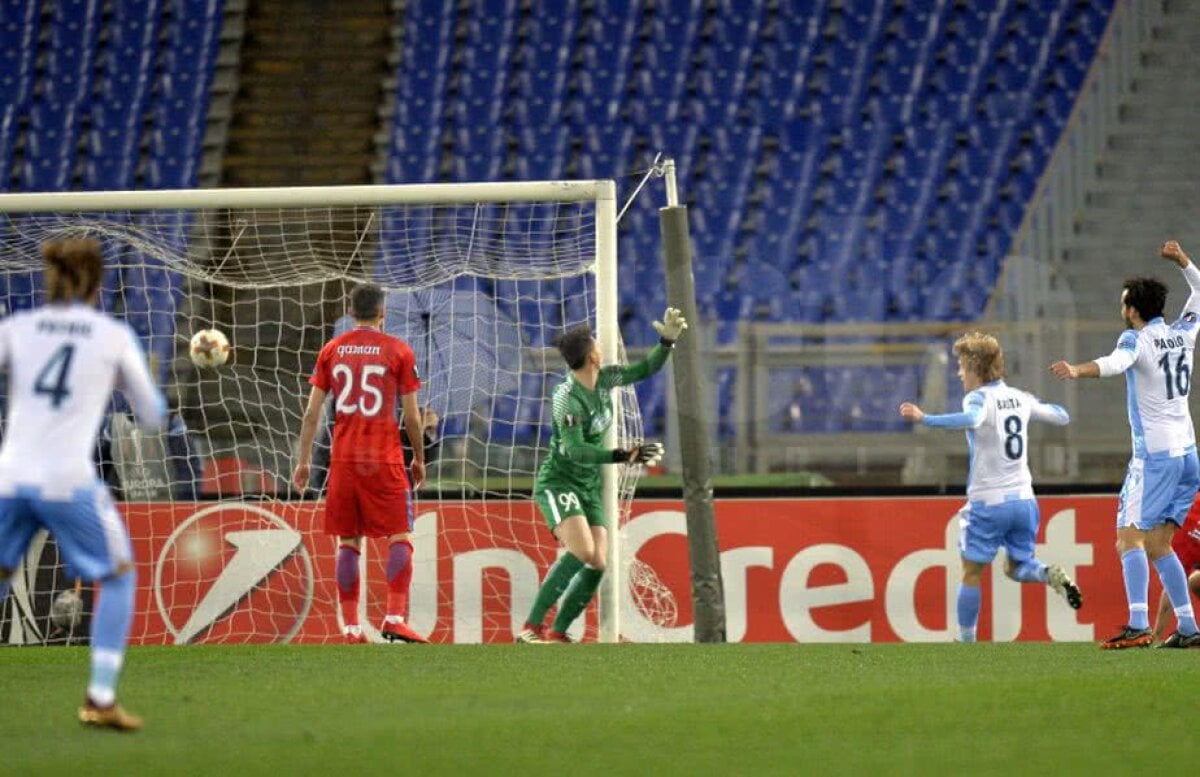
<point>480,279</point>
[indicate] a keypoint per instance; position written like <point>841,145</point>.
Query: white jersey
<point>996,417</point>
<point>63,363</point>
<point>1157,362</point>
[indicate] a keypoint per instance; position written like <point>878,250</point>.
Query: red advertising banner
<point>808,570</point>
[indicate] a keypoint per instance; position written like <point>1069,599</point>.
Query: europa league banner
<point>819,570</point>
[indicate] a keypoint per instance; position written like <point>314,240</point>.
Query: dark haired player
<point>567,490</point>
<point>368,493</point>
<point>1156,360</point>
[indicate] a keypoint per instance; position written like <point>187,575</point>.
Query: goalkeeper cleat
<point>1064,586</point>
<point>113,716</point>
<point>1178,640</point>
<point>400,631</point>
<point>557,637</point>
<point>531,635</point>
<point>1129,637</point>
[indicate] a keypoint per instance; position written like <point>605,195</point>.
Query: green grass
<point>624,709</point>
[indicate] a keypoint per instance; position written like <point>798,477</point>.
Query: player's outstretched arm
<point>669,330</point>
<point>1048,413</point>
<point>970,418</point>
<point>308,433</point>
<point>1173,252</point>
<point>1121,359</point>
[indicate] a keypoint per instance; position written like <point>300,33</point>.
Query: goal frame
<point>602,193</point>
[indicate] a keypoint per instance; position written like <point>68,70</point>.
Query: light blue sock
<point>110,630</point>
<point>1136,570</point>
<point>1174,580</point>
<point>969,597</point>
<point>1031,571</point>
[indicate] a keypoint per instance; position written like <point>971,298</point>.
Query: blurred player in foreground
<point>63,361</point>
<point>1001,509</point>
<point>567,490</point>
<point>1186,545</point>
<point>368,493</point>
<point>1163,476</point>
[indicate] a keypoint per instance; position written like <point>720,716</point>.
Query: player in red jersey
<point>1186,544</point>
<point>368,492</point>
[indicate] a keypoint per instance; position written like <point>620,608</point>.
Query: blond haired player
<point>64,360</point>
<point>1001,509</point>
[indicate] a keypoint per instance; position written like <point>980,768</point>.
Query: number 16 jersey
<point>366,370</point>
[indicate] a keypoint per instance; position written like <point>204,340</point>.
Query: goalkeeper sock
<point>557,580</point>
<point>969,597</point>
<point>1136,571</point>
<point>582,589</point>
<point>399,577</point>
<point>110,630</point>
<point>1032,571</point>
<point>1174,581</point>
<point>346,574</point>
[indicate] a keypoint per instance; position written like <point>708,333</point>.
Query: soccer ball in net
<point>66,610</point>
<point>209,348</point>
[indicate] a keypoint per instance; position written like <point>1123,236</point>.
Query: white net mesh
<point>478,290</point>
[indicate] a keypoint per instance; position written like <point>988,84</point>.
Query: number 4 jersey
<point>996,417</point>
<point>366,370</point>
<point>63,363</point>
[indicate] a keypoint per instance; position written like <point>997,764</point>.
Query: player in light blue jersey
<point>63,361</point>
<point>1001,510</point>
<point>1156,360</point>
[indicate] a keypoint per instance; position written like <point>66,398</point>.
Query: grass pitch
<point>610,709</point>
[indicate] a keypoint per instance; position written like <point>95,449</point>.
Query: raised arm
<point>138,387</point>
<point>669,330</point>
<point>1173,252</point>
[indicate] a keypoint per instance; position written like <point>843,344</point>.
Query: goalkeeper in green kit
<point>567,490</point>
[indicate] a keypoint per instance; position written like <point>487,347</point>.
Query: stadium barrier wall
<point>807,570</point>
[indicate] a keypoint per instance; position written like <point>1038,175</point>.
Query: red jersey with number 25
<point>366,371</point>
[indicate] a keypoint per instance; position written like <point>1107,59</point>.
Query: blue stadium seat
<point>19,28</point>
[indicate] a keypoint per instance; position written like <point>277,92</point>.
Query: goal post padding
<point>480,279</point>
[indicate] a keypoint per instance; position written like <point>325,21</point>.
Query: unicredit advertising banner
<point>806,570</point>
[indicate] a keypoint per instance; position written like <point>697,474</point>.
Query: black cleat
<point>1128,638</point>
<point>1062,583</point>
<point>1178,640</point>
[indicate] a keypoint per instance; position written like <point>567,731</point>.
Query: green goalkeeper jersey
<point>581,418</point>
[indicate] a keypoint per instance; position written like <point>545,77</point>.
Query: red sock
<point>346,574</point>
<point>399,576</point>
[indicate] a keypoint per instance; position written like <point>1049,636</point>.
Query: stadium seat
<point>810,138</point>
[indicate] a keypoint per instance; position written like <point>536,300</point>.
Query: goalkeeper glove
<point>671,327</point>
<point>648,453</point>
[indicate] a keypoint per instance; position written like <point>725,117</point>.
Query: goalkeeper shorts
<point>559,504</point>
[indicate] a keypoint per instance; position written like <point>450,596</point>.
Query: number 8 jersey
<point>1157,362</point>
<point>366,370</point>
<point>996,417</point>
<point>63,363</point>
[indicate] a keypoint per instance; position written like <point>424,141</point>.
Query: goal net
<point>480,279</point>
